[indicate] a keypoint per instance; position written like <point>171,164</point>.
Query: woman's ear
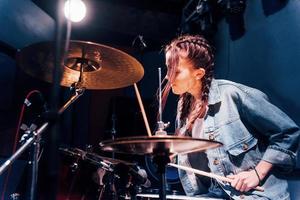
<point>200,73</point>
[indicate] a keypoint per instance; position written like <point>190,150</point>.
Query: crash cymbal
<point>92,157</point>
<point>103,67</point>
<point>156,144</point>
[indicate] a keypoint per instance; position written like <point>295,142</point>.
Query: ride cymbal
<point>103,67</point>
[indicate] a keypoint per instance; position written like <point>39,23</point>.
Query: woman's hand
<point>244,181</point>
<point>247,180</point>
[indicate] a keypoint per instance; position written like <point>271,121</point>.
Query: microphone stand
<point>113,132</point>
<point>34,138</point>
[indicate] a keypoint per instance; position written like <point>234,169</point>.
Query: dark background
<point>259,47</point>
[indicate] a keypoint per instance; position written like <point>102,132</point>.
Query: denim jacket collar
<point>214,93</point>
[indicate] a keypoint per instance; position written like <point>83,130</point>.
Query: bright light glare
<point>75,10</point>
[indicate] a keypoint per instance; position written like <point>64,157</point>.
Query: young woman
<point>258,138</point>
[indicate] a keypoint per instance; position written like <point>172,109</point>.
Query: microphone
<point>139,42</point>
<point>143,43</point>
<point>140,177</point>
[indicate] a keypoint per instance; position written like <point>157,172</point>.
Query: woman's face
<point>187,78</point>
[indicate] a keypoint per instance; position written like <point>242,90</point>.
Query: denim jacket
<point>251,129</point>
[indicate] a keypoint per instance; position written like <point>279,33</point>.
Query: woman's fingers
<point>243,181</point>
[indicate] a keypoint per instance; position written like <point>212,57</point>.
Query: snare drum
<point>174,197</point>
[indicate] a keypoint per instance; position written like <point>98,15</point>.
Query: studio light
<point>75,10</point>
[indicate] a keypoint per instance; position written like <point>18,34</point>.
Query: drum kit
<point>94,66</point>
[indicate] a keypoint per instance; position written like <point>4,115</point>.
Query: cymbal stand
<point>34,138</point>
<point>161,155</point>
<point>161,158</point>
<point>160,124</point>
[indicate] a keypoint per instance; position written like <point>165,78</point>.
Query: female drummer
<point>258,138</point>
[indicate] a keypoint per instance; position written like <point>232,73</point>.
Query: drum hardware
<point>173,197</point>
<point>74,166</point>
<point>172,175</point>
<point>14,196</point>
<point>127,182</point>
<point>87,65</point>
<point>156,191</point>
<point>160,146</point>
<point>95,159</point>
<point>33,136</point>
<point>113,131</point>
<point>124,182</point>
<point>161,126</point>
<point>211,175</point>
<point>119,179</point>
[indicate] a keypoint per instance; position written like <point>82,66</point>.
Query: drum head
<point>172,175</point>
<point>173,197</point>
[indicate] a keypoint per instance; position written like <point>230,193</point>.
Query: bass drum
<point>172,176</point>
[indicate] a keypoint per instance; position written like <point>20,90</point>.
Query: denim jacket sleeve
<point>281,131</point>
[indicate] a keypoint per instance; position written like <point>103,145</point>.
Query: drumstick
<point>211,175</point>
<point>142,109</point>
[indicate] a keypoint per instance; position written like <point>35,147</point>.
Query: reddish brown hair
<point>198,51</point>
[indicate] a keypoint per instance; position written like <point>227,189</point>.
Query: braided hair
<point>197,50</point>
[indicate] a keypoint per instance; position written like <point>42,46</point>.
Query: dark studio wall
<point>266,57</point>
<point>19,27</point>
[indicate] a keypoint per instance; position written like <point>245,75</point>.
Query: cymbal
<point>103,67</point>
<point>150,145</point>
<point>92,157</point>
<point>114,161</point>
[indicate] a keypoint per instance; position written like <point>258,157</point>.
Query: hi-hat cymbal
<point>157,144</point>
<point>92,157</point>
<point>103,67</point>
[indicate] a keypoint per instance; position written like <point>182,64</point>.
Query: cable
<point>25,103</point>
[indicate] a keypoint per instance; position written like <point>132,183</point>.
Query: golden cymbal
<point>156,144</point>
<point>103,67</point>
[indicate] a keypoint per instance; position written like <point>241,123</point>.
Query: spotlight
<point>75,10</point>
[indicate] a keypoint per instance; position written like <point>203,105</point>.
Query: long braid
<point>183,108</point>
<point>206,82</point>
